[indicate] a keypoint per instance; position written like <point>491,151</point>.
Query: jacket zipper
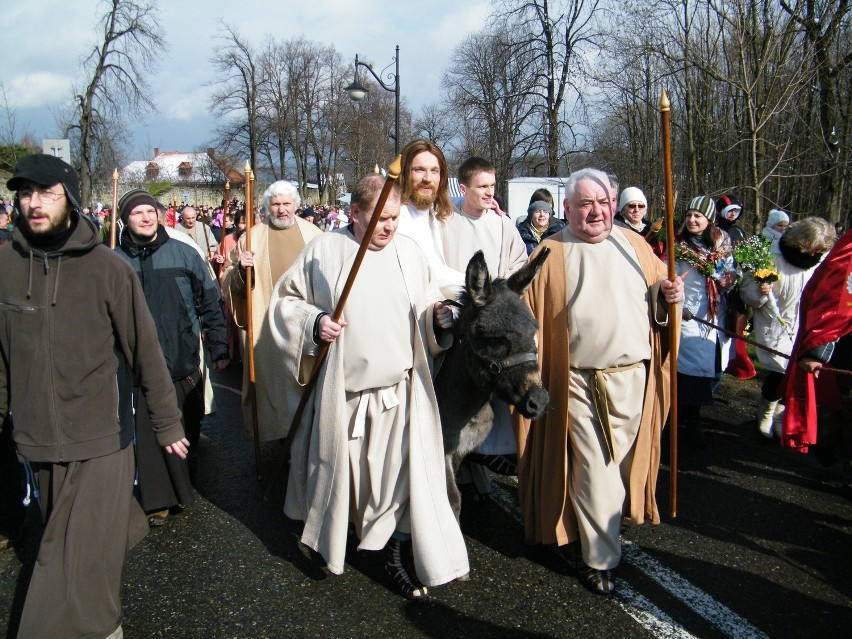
<point>49,342</point>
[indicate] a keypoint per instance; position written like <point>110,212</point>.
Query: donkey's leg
<point>452,490</point>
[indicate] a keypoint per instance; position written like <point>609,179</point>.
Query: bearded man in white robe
<point>369,449</point>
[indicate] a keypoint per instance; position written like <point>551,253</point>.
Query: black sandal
<point>400,567</point>
<point>501,464</point>
<point>599,582</point>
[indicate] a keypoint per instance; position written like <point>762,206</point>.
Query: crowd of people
<point>187,289</point>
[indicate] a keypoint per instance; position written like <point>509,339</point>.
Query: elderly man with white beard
<point>274,247</point>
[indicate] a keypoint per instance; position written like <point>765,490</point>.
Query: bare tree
<point>489,87</point>
<point>822,23</point>
<point>560,33</point>
<point>433,124</point>
<point>237,93</point>
<point>116,68</point>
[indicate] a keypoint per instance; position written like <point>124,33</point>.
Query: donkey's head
<point>498,333</point>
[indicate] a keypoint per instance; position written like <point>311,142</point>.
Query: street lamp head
<point>356,91</point>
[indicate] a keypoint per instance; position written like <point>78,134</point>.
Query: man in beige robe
<point>369,449</point>
<point>274,247</point>
<point>198,231</point>
<point>475,226</point>
<point>593,457</point>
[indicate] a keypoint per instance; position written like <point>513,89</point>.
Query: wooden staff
<point>252,391</point>
<point>674,326</point>
<point>114,207</point>
<point>393,173</point>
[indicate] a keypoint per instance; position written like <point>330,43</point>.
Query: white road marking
<point>725,619</point>
<point>235,391</point>
<point>645,613</point>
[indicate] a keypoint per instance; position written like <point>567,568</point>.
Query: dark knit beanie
<point>132,199</point>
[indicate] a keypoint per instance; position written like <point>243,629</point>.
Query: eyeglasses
<point>636,205</point>
<point>46,197</point>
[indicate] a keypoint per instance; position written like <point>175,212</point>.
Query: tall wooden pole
<point>252,391</point>
<point>112,214</point>
<point>393,173</point>
<point>674,325</point>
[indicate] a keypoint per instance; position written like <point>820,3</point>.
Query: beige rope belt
<point>601,400</point>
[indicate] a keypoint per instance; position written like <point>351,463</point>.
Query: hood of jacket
<point>83,237</point>
<point>141,250</point>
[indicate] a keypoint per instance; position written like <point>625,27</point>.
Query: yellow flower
<point>766,275</point>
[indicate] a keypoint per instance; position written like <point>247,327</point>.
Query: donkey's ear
<point>520,280</point>
<point>478,281</point>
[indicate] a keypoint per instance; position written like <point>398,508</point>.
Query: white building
<point>196,178</point>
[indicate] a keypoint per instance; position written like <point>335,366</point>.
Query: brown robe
<point>543,464</point>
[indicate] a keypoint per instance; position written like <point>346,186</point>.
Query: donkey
<point>494,353</point>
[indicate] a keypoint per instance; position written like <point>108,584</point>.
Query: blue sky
<point>46,40</point>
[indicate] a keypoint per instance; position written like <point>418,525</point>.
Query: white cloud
<point>46,67</point>
<point>184,105</point>
<point>37,89</point>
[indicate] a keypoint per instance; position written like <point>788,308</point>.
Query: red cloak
<point>825,316</point>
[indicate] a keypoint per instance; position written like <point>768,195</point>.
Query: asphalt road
<point>760,548</point>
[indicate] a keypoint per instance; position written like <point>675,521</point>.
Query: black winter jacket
<point>182,297</point>
<point>554,226</point>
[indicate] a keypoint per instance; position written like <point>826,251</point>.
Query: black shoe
<point>599,582</point>
<point>158,518</point>
<point>500,464</point>
<point>400,567</point>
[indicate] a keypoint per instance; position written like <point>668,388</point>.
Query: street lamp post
<point>357,91</point>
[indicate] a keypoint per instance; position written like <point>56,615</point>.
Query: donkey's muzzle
<point>535,401</point>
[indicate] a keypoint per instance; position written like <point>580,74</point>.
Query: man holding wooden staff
<point>274,247</point>
<point>593,458</point>
<point>368,450</point>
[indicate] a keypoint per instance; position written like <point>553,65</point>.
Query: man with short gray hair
<point>198,231</point>
<point>592,458</point>
<point>369,452</point>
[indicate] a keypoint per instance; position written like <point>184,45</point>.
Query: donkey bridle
<point>517,359</point>
<point>498,366</point>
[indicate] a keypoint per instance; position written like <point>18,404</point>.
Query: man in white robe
<point>424,183</point>
<point>198,231</point>
<point>472,227</point>
<point>593,456</point>
<point>369,449</point>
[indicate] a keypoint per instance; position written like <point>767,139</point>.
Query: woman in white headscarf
<point>776,224</point>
